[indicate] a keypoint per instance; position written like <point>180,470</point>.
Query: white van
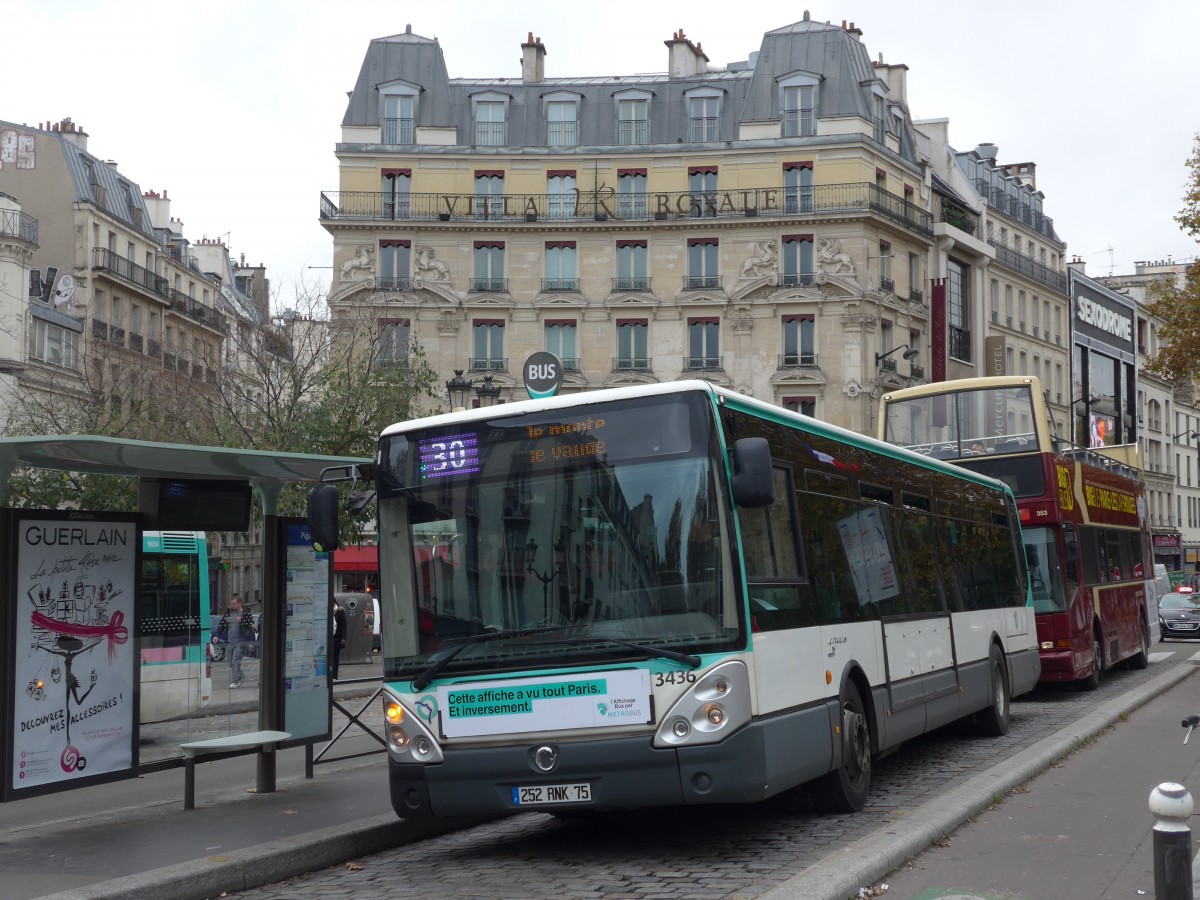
<point>1154,592</point>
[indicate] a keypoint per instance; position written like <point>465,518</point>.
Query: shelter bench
<point>229,745</point>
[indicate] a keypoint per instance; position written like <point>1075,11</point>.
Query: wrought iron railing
<point>960,343</point>
<point>489,285</point>
<point>393,283</point>
<point>488,363</point>
<point>607,204</point>
<point>693,363</point>
<point>633,131</point>
<point>127,270</point>
<point>953,214</point>
<point>631,283</point>
<point>562,134</point>
<point>798,279</point>
<point>798,361</point>
<point>1030,267</point>
<point>491,134</point>
<point>14,223</point>
<point>701,282</point>
<point>570,363</point>
<point>630,364</point>
<point>396,131</point>
<point>887,286</point>
<point>702,129</point>
<point>799,123</point>
<point>560,284</point>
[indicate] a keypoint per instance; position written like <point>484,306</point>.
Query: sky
<point>234,107</point>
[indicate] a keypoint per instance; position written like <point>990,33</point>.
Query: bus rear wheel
<point>1141,659</point>
<point>1091,682</point>
<point>995,720</point>
<point>845,788</point>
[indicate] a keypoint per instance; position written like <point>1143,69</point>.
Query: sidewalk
<point>132,839</point>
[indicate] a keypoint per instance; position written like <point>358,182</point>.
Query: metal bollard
<point>1171,805</point>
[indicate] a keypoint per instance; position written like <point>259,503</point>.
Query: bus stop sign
<point>543,374</point>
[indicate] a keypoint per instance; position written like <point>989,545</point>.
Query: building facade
<point>764,225</point>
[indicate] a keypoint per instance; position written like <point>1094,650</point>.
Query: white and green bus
<point>675,594</point>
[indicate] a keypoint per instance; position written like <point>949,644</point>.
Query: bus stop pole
<point>1171,805</point>
<point>271,705</point>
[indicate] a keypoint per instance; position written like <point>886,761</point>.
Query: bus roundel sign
<point>543,374</point>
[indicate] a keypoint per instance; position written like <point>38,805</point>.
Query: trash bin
<point>360,626</point>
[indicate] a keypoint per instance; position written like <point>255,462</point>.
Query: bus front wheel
<point>996,718</point>
<point>1091,682</point>
<point>845,788</point>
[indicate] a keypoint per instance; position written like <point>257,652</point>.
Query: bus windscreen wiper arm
<point>431,673</point>
<point>687,659</point>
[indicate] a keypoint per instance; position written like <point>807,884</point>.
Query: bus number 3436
<point>661,678</point>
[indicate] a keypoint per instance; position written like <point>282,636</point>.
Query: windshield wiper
<point>432,672</point>
<point>687,659</point>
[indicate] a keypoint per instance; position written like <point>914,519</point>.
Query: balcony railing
<point>701,282</point>
<point>798,279</point>
<point>154,349</point>
<point>570,363</point>
<point>393,283</point>
<point>888,365</point>
<point>916,371</point>
<point>14,223</point>
<point>798,123</point>
<point>488,363</point>
<point>604,205</point>
<point>562,134</point>
<point>631,283</point>
<point>491,134</point>
<point>99,330</point>
<point>630,364</point>
<point>135,342</point>
<point>703,128</point>
<point>887,286</point>
<point>916,296</point>
<point>1028,266</point>
<point>105,260</point>
<point>489,285</point>
<point>798,361</point>
<point>633,131</point>
<point>396,131</point>
<point>694,363</point>
<point>954,215</point>
<point>560,284</point>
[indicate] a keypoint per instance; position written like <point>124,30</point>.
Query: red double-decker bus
<point>1082,511</point>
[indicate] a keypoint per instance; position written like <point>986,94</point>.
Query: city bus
<point>176,670</point>
<point>1083,512</point>
<point>675,594</point>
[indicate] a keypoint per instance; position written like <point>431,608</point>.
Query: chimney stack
<point>533,60</point>
<point>684,58</point>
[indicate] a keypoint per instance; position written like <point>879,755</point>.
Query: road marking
<point>1159,657</point>
<point>1195,657</point>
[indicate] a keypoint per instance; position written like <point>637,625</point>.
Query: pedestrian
<point>339,638</point>
<point>237,626</point>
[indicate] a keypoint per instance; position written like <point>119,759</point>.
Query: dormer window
<point>799,96</point>
<point>562,119</point>
<point>633,118</point>
<point>704,118</point>
<point>490,115</point>
<point>398,113</point>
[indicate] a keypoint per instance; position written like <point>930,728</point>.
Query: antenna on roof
<point>1109,251</point>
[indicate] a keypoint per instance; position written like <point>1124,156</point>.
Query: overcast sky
<point>234,106</point>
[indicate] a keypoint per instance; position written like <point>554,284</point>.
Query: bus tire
<point>1091,682</point>
<point>845,789</point>
<point>1141,659</point>
<point>997,717</point>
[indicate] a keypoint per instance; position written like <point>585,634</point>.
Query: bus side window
<point>1070,559</point>
<point>773,572</point>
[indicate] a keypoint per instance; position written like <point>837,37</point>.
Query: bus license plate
<point>581,792</point>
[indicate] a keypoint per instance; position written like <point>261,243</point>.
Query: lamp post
<point>487,391</point>
<point>531,551</point>
<point>910,353</point>
<point>458,387</point>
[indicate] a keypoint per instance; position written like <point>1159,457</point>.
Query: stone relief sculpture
<point>762,262</point>
<point>833,260</point>
<point>429,267</point>
<point>362,261</point>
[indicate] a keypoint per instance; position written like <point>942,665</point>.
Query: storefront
<point>356,570</point>
<point>1103,364</point>
<point>1168,551</point>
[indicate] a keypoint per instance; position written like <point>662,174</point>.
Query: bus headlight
<point>710,710</point>
<point>408,738</point>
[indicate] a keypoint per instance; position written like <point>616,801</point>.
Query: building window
<point>914,278</point>
<point>800,110</point>
<point>488,339</point>
<point>394,266</point>
<point>633,122</point>
<point>704,344</point>
<point>489,195</point>
<point>631,345</point>
<point>561,200</point>
<point>886,285</point>
<point>1008,305</point>
<point>804,405</point>
<point>877,121</point>
<point>631,193</point>
<point>703,119</point>
<point>798,266</point>
<point>885,345</point>
<point>560,340</point>
<point>631,266</point>
<point>995,296</point>
<point>396,187</point>
<point>702,261</point>
<point>799,341</point>
<point>958,309</point>
<point>53,344</point>
<point>397,124</point>
<point>490,130</point>
<point>1021,309</point>
<point>562,124</point>
<point>702,185</point>
<point>560,267</point>
<point>489,267</point>
<point>797,187</point>
<point>392,342</point>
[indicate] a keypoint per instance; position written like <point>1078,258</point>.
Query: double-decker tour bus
<point>1083,513</point>
<point>176,670</point>
<point>674,594</point>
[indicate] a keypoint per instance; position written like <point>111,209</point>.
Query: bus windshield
<point>561,533</point>
<point>965,424</point>
<point>1041,549</point>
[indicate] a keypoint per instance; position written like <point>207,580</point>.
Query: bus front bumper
<point>1058,666</point>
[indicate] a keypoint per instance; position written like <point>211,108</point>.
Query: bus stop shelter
<point>266,472</point>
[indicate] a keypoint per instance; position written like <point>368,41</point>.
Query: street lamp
<point>545,578</point>
<point>910,353</point>
<point>457,389</point>
<point>487,391</point>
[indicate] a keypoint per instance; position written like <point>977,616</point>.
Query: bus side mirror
<point>323,517</point>
<point>753,484</point>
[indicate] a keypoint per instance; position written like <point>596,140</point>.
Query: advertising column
<point>73,681</point>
